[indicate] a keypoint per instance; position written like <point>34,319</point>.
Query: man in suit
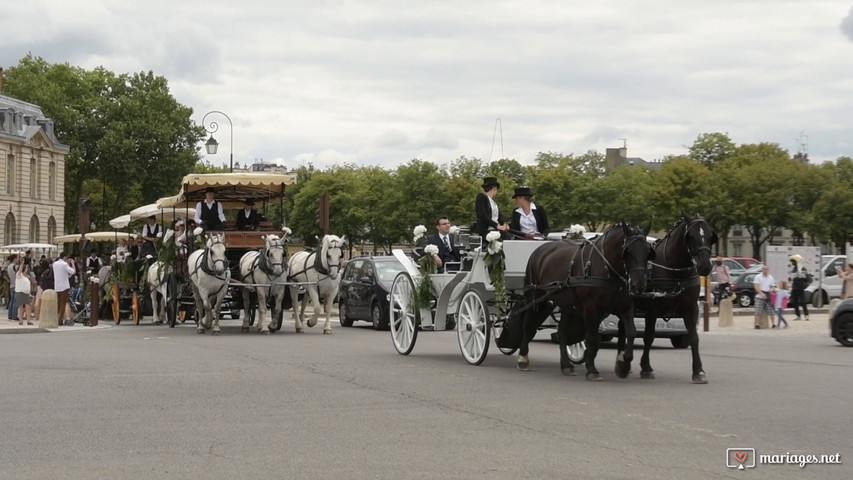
<point>446,251</point>
<point>247,219</point>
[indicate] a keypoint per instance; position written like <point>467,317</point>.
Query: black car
<point>841,323</point>
<point>365,290</point>
<point>743,287</point>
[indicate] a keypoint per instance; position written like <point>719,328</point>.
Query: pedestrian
<point>780,302</point>
<point>724,279</point>
<point>62,272</point>
<point>23,299</point>
<point>800,280</point>
<point>847,276</point>
<point>11,270</point>
<point>45,282</point>
<point>763,284</point>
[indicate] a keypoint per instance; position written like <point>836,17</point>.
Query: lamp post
<point>211,145</point>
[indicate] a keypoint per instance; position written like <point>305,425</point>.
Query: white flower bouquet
<point>576,232</point>
<point>418,233</point>
<point>431,249</point>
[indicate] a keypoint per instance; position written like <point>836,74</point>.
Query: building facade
<point>32,174</point>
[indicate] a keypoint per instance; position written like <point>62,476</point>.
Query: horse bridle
<point>209,269</point>
<point>629,239</point>
<point>690,252</point>
<point>266,265</point>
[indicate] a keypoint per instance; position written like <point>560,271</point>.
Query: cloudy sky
<point>381,82</point>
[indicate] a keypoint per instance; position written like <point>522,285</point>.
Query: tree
<point>131,141</point>
<point>681,184</point>
<point>711,149</point>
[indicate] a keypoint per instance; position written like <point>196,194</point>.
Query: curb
<point>24,330</point>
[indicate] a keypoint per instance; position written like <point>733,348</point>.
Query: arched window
<point>51,229</point>
<point>51,182</point>
<point>35,230</point>
<point>9,229</point>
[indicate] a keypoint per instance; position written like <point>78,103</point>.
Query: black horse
<point>587,281</point>
<point>683,255</point>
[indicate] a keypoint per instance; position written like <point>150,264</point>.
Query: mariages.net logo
<point>743,458</point>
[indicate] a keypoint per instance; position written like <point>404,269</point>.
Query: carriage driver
<point>149,236</point>
<point>208,213</point>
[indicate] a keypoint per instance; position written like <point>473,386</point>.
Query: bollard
<point>48,316</point>
<point>726,317</point>
<point>94,302</point>
<point>764,320</point>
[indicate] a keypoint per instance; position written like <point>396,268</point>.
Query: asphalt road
<point>149,402</point>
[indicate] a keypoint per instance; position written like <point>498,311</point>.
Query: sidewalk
<point>11,326</point>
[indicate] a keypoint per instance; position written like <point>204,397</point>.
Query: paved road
<point>149,402</point>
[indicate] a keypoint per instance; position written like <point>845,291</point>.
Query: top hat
<point>522,192</point>
<point>488,182</point>
<point>249,202</point>
<point>209,190</point>
<point>152,217</point>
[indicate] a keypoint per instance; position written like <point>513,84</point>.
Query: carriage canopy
<point>231,188</point>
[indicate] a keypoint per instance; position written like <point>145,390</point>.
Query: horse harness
<point>203,262</point>
<point>673,287</point>
<point>322,271</point>
<point>262,262</point>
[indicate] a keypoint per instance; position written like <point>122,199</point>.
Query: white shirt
<point>764,282</point>
<point>209,204</point>
<point>22,283</point>
<point>61,272</point>
<point>494,207</point>
<point>527,222</point>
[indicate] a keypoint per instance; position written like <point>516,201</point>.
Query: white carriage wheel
<point>403,315</point>
<point>472,328</point>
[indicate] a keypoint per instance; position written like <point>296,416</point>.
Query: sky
<point>382,82</point>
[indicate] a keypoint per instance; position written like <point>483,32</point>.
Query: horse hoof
<point>593,376</point>
<point>299,330</point>
<point>700,378</point>
<point>622,370</point>
<point>244,329</point>
<point>264,332</point>
<point>311,323</point>
<point>200,331</point>
<point>216,332</point>
<point>647,375</point>
<point>569,372</point>
<point>327,331</point>
<point>523,364</point>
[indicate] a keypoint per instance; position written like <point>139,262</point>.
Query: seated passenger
<point>447,252</point>
<point>529,218</point>
<point>248,218</point>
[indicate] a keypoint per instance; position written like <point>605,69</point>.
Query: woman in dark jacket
<point>529,218</point>
<point>488,214</point>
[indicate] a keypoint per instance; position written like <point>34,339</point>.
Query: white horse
<point>320,269</point>
<point>209,276</point>
<point>264,268</point>
<point>158,283</point>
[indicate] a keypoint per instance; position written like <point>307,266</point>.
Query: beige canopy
<point>230,188</point>
<point>94,237</point>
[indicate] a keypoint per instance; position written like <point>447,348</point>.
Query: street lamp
<point>212,145</point>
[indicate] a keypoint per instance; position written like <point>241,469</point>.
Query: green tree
<point>681,184</point>
<point>131,141</point>
<point>710,149</point>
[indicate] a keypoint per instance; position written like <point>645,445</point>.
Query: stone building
<point>32,174</point>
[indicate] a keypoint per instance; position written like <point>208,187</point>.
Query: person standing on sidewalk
<point>763,283</point>
<point>800,280</point>
<point>23,299</point>
<point>780,302</point>
<point>724,279</point>
<point>62,271</point>
<point>12,270</point>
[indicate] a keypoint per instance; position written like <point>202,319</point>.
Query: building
<point>32,174</point>
<point>260,167</point>
<point>617,157</point>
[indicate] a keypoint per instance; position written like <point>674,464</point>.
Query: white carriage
<point>466,297</point>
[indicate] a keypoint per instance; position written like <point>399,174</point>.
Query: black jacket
<point>444,254</point>
<point>250,223</point>
<point>541,220</point>
<point>484,216</point>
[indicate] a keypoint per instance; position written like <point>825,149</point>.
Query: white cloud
<point>381,82</point>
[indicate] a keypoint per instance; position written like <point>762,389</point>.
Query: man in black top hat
<point>149,236</point>
<point>488,214</point>
<point>247,219</point>
<point>208,212</point>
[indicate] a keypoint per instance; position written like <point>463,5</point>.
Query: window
<point>35,230</point>
<point>738,247</point>
<point>51,229</point>
<point>34,178</point>
<point>10,174</point>
<point>51,181</point>
<point>9,229</point>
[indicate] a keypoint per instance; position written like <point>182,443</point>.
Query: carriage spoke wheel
<point>171,301</point>
<point>403,316</point>
<point>577,352</point>
<point>134,308</point>
<point>472,328</point>
<point>115,299</point>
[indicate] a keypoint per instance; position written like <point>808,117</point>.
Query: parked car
<point>819,293</point>
<point>746,262</point>
<point>841,323</point>
<point>743,287</point>
<point>365,290</point>
<point>672,328</point>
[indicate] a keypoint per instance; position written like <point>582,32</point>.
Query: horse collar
<point>318,263</point>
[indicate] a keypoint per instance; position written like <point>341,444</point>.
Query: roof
<point>230,187</point>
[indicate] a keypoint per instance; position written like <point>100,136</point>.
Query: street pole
<point>212,128</point>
